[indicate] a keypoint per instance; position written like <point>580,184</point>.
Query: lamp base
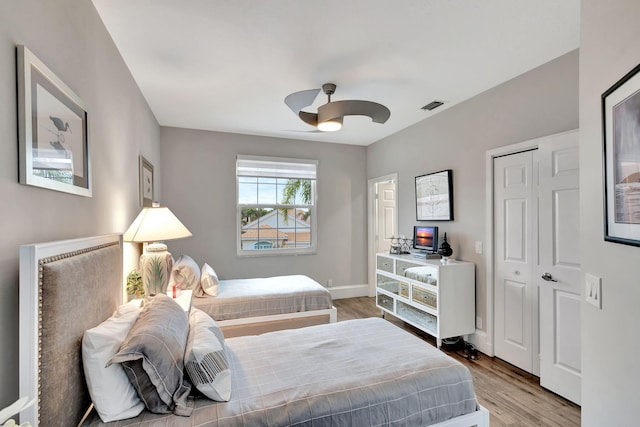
<point>156,264</point>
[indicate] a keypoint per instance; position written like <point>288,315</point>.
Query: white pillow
<point>185,273</point>
<point>111,392</point>
<point>209,281</point>
<point>205,358</point>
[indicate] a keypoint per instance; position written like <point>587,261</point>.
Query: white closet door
<point>560,293</point>
<point>516,322</point>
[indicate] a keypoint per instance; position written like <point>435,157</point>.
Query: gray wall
<point>70,39</point>
<point>538,103</point>
<point>198,175</point>
<point>610,344</point>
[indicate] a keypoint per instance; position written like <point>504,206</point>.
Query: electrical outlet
<point>478,247</point>
<point>593,290</point>
<point>478,322</point>
<point>329,283</point>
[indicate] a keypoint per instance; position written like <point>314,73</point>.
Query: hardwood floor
<point>513,397</point>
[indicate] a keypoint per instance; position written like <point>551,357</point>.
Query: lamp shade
<point>154,224</point>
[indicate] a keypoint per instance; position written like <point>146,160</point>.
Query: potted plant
<point>135,287</point>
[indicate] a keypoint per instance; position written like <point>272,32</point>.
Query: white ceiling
<point>227,65</point>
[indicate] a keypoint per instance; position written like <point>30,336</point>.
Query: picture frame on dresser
<point>53,141</point>
<point>434,196</point>
<point>145,169</point>
<point>621,143</point>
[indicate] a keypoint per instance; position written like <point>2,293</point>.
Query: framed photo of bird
<point>52,130</point>
<point>146,182</point>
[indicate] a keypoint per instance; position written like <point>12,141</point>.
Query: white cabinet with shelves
<point>434,297</point>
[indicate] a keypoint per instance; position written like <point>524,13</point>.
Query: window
<point>263,245</point>
<point>276,205</point>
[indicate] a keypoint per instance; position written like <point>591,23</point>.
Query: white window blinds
<point>274,167</point>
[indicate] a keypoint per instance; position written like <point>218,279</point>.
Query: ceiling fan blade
<point>298,100</point>
<point>378,112</point>
<point>309,118</point>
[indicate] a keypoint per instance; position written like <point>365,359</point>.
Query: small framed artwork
<point>146,181</point>
<point>434,196</point>
<point>621,139</point>
<point>52,130</point>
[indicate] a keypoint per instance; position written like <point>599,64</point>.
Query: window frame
<point>313,208</point>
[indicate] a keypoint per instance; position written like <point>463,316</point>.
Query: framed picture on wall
<point>621,139</point>
<point>53,138</point>
<point>434,196</point>
<point>146,181</point>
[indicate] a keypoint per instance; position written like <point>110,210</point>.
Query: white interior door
<point>558,272</point>
<point>515,294</point>
<point>386,215</point>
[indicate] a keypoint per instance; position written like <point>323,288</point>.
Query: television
<point>425,239</point>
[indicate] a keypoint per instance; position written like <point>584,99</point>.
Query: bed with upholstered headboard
<point>332,374</point>
<point>66,287</point>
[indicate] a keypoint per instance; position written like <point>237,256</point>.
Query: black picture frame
<point>434,196</point>
<point>53,130</point>
<point>621,147</point>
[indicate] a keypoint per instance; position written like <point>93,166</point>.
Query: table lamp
<point>153,224</point>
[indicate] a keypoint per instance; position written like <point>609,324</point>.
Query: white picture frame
<point>146,181</point>
<point>52,130</point>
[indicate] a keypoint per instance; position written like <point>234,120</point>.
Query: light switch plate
<point>478,247</point>
<point>593,290</point>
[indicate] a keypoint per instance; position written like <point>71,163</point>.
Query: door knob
<point>548,277</point>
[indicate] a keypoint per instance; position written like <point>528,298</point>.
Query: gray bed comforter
<point>364,372</point>
<point>241,298</point>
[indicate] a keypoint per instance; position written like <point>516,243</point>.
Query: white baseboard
<point>479,340</point>
<point>349,291</point>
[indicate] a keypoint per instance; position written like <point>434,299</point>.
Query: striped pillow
<point>208,282</point>
<point>205,357</point>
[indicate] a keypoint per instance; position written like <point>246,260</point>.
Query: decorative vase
<point>156,264</point>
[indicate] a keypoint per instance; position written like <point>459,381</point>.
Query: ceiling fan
<point>330,115</point>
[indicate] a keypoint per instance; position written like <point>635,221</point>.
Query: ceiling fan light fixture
<point>330,115</point>
<point>330,125</point>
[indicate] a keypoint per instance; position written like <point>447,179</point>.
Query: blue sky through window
<point>263,191</point>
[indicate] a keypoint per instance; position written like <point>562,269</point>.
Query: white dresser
<point>434,297</point>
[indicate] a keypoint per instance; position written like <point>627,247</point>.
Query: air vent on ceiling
<point>432,105</point>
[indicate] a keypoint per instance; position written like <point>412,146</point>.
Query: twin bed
<point>360,372</point>
<point>255,306</point>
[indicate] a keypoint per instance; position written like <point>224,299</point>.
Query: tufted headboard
<point>66,287</point>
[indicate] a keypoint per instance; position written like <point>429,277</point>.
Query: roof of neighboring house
<point>264,232</point>
<point>300,236</point>
<point>263,218</point>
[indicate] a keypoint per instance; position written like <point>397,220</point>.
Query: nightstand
<point>184,299</point>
